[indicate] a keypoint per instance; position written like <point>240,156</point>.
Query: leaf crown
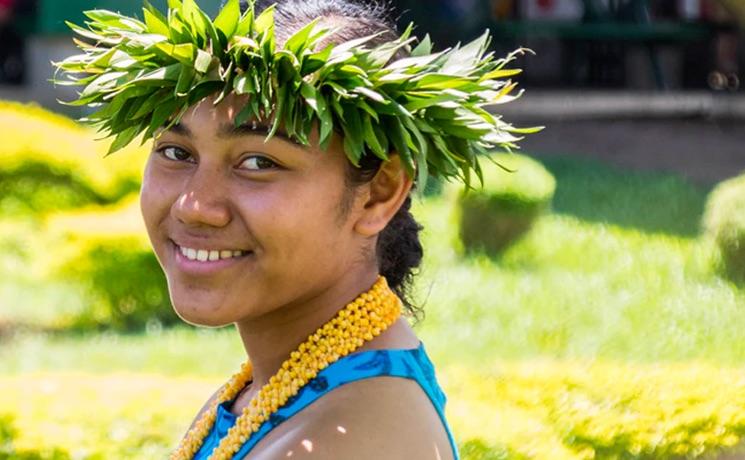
<point>142,75</point>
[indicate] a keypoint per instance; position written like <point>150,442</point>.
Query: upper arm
<point>365,420</point>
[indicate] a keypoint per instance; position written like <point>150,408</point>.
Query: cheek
<point>299,223</point>
<point>157,195</point>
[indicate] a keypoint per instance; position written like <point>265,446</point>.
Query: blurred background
<point>588,305</point>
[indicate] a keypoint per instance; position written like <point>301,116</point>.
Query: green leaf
<point>531,130</point>
<point>437,81</point>
<point>422,172</point>
<point>202,90</point>
<point>130,92</point>
<point>310,94</point>
<point>169,73</point>
<point>416,104</point>
<point>183,53</point>
<point>400,142</point>
<point>179,31</point>
<point>154,19</point>
<point>265,22</point>
<point>122,139</point>
<point>501,73</point>
<point>315,61</point>
<point>243,84</point>
<point>154,100</point>
<point>463,59</point>
<point>203,61</point>
<point>337,88</point>
<point>326,120</point>
<point>87,33</point>
<point>353,134</point>
<point>279,111</point>
<point>162,113</point>
<point>108,19</point>
<point>414,62</point>
<point>228,18</point>
<point>299,40</point>
<point>190,13</point>
<point>109,109</point>
<point>347,47</point>
<point>374,95</point>
<point>371,138</point>
<point>423,48</point>
<point>246,24</point>
<point>369,110</point>
<point>103,60</point>
<point>382,137</point>
<point>185,79</point>
<point>105,81</point>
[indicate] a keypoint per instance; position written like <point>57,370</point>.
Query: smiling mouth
<point>210,255</point>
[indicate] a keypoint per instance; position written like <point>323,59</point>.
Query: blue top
<point>407,363</point>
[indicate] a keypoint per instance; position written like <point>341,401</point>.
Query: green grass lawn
<point>615,283</point>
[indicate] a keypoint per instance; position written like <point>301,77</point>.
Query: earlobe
<point>387,192</point>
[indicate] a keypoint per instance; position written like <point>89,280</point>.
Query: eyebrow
<point>229,130</point>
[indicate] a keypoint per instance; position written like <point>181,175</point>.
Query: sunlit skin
<point>209,186</point>
<point>205,189</point>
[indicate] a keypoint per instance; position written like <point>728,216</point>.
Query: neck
<point>271,338</point>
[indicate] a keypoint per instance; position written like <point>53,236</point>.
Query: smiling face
<point>242,227</point>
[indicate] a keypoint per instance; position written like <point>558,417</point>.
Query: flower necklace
<point>361,320</point>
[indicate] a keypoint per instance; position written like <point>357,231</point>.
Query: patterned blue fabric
<point>407,363</point>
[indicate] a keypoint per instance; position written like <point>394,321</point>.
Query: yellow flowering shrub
<point>530,410</point>
<point>8,450</point>
<point>115,416</point>
<point>574,410</point>
<point>105,250</point>
<point>48,161</point>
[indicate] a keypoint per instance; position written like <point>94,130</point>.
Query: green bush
<point>724,221</point>
<point>8,452</point>
<point>106,252</point>
<point>477,449</point>
<point>493,217</point>
<point>49,162</point>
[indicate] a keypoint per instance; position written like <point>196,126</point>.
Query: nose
<point>204,200</point>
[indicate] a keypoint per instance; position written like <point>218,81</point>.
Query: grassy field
<point>578,342</point>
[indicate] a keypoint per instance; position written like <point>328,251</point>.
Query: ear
<point>383,196</point>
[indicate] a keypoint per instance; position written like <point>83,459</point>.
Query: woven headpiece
<point>142,75</point>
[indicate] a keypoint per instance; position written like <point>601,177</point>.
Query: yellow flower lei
<point>361,320</point>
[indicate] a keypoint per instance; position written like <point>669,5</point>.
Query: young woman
<point>277,238</point>
<point>268,212</point>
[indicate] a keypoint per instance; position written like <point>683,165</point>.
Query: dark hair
<point>399,251</point>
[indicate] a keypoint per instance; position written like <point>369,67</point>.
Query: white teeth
<point>204,255</point>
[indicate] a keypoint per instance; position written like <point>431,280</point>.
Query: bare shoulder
<point>381,417</point>
<point>205,407</point>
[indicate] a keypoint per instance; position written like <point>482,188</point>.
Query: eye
<point>175,153</point>
<point>258,163</point>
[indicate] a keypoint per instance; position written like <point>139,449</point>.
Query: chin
<point>196,319</point>
<point>200,313</point>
